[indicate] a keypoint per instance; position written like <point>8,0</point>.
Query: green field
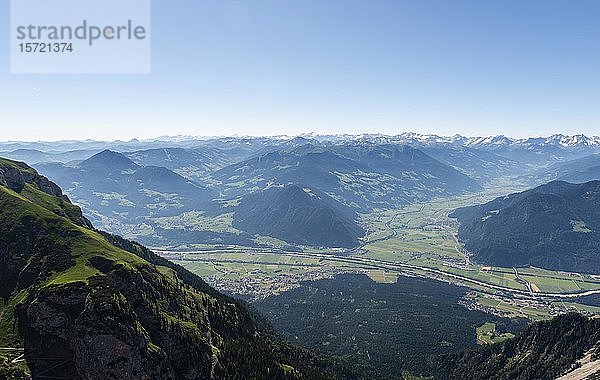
<point>573,306</point>
<point>486,334</point>
<point>383,276</point>
<point>419,234</point>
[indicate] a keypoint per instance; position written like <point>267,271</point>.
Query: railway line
<point>394,266</point>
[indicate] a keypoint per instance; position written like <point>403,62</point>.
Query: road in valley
<point>353,257</point>
<point>387,265</point>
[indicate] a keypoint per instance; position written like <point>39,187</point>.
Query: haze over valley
<point>300,190</point>
<point>487,230</point>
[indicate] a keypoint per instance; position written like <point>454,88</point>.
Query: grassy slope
<point>16,165</point>
<point>32,203</point>
<point>41,234</point>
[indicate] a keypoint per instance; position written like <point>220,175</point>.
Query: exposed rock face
<point>109,329</point>
<point>18,174</point>
<point>45,185</point>
<point>108,342</point>
<point>12,178</point>
<point>84,306</point>
<point>14,175</point>
<point>93,334</point>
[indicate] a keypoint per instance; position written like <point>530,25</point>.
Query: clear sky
<point>513,67</point>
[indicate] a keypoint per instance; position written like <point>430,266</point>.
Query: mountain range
<point>361,176</point>
<point>164,191</point>
<point>126,193</point>
<point>86,305</point>
<point>114,189</point>
<point>531,151</point>
<point>565,141</point>
<point>571,144</point>
<point>580,170</point>
<point>79,303</point>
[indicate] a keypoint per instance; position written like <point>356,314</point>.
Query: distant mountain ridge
<point>113,189</point>
<point>108,161</point>
<point>532,151</point>
<point>193,157</point>
<point>580,170</point>
<point>497,140</point>
<point>360,176</point>
<point>565,141</point>
<point>194,162</point>
<point>35,156</point>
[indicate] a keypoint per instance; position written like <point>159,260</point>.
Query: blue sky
<point>519,68</point>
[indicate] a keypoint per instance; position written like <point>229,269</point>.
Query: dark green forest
<point>393,327</point>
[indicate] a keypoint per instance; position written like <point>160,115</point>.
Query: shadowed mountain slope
<point>544,351</point>
<point>299,216</point>
<point>554,226</point>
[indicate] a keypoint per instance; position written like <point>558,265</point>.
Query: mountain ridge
<point>298,215</point>
<point>360,176</point>
<point>553,226</point>
<point>86,305</point>
<point>113,189</point>
<point>544,351</point>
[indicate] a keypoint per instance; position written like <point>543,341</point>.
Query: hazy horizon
<point>518,68</point>
<point>282,136</point>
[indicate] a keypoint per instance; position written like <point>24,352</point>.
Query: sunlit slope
<point>79,306</point>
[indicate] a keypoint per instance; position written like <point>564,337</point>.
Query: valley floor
<point>417,240</point>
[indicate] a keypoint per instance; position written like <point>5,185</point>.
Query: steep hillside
<point>554,226</point>
<point>361,176</point>
<point>86,305</point>
<point>298,215</point>
<point>22,179</point>
<point>544,351</point>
